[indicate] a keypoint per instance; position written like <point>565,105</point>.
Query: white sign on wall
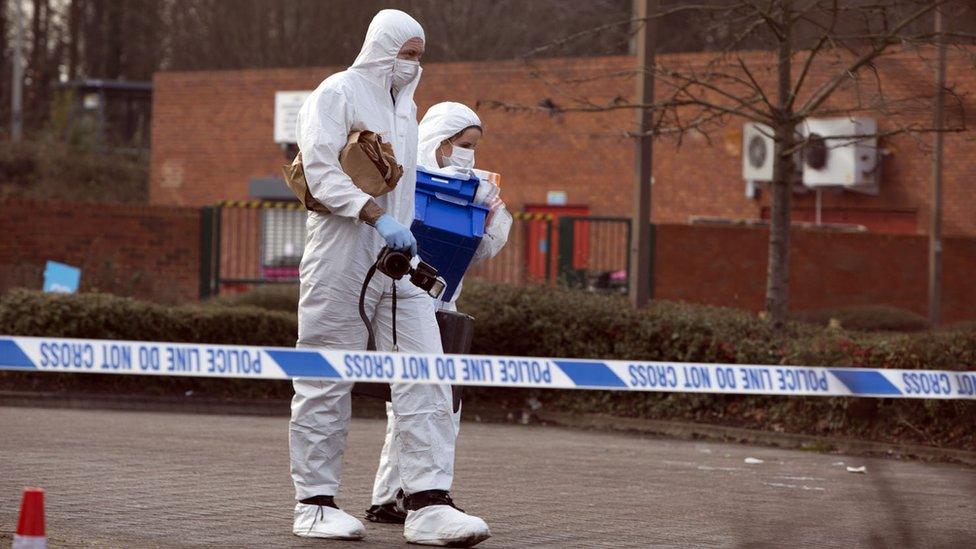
<point>287,104</point>
<point>556,198</point>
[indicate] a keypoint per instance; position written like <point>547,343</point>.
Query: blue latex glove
<point>396,235</point>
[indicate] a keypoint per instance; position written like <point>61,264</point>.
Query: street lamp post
<point>640,242</point>
<point>17,83</point>
<point>935,228</point>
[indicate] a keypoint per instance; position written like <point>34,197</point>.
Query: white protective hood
<point>387,33</point>
<point>359,99</point>
<point>441,122</point>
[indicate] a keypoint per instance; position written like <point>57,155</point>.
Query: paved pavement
<point>133,479</point>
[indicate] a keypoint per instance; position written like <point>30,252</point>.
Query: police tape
<point>248,362</point>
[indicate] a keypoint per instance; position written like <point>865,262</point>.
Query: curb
<point>365,407</point>
<point>373,408</point>
<point>697,431</point>
<point>144,403</point>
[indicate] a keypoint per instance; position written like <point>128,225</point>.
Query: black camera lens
<point>425,277</point>
<point>422,280</point>
<point>394,264</point>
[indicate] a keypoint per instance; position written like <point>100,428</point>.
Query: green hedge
<point>102,316</point>
<point>282,298</point>
<point>546,321</point>
<point>877,318</point>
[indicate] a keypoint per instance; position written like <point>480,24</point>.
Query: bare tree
<point>131,39</point>
<point>815,58</point>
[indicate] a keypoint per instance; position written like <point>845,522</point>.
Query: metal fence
<point>594,252</point>
<point>527,258</point>
<point>261,242</point>
<point>252,242</point>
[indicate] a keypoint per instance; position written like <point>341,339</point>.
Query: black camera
<point>396,265</point>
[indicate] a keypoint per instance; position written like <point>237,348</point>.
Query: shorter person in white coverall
<point>376,94</point>
<point>449,134</point>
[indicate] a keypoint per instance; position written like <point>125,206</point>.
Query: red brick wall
<point>153,252</point>
<point>225,117</point>
<point>727,266</point>
<point>150,252</point>
<point>212,132</point>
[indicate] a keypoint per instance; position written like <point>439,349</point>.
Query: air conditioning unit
<point>757,152</point>
<point>842,152</point>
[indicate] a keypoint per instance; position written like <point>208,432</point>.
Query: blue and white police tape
<point>246,362</point>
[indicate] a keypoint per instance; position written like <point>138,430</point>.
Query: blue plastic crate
<point>448,231</point>
<point>441,183</point>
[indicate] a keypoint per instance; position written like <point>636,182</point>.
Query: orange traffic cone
<point>30,527</point>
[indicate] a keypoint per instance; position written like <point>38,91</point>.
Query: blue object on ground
<point>61,278</point>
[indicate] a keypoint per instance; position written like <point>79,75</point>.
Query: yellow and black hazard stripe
<point>529,216</point>
<point>295,205</point>
<point>261,204</point>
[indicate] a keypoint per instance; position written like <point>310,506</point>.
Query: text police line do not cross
<point>251,362</point>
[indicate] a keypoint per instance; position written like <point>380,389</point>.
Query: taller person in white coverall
<point>376,94</point>
<point>449,134</point>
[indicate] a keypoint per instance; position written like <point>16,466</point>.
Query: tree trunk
<point>93,42</point>
<point>115,51</point>
<point>36,104</point>
<point>778,269</point>
<point>74,37</point>
<point>5,70</point>
<point>778,272</point>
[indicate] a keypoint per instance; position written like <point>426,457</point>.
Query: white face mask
<point>460,158</point>
<point>404,71</point>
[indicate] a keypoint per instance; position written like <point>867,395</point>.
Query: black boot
<point>429,497</point>
<point>323,501</point>
<point>394,512</point>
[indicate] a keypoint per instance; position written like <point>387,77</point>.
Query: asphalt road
<point>134,479</point>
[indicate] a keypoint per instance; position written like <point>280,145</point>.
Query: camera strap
<point>371,339</point>
<point>395,347</point>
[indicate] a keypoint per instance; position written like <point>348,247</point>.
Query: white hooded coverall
<point>339,249</point>
<point>441,122</point>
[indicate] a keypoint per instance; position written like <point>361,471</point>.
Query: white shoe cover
<point>320,521</point>
<point>444,525</point>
